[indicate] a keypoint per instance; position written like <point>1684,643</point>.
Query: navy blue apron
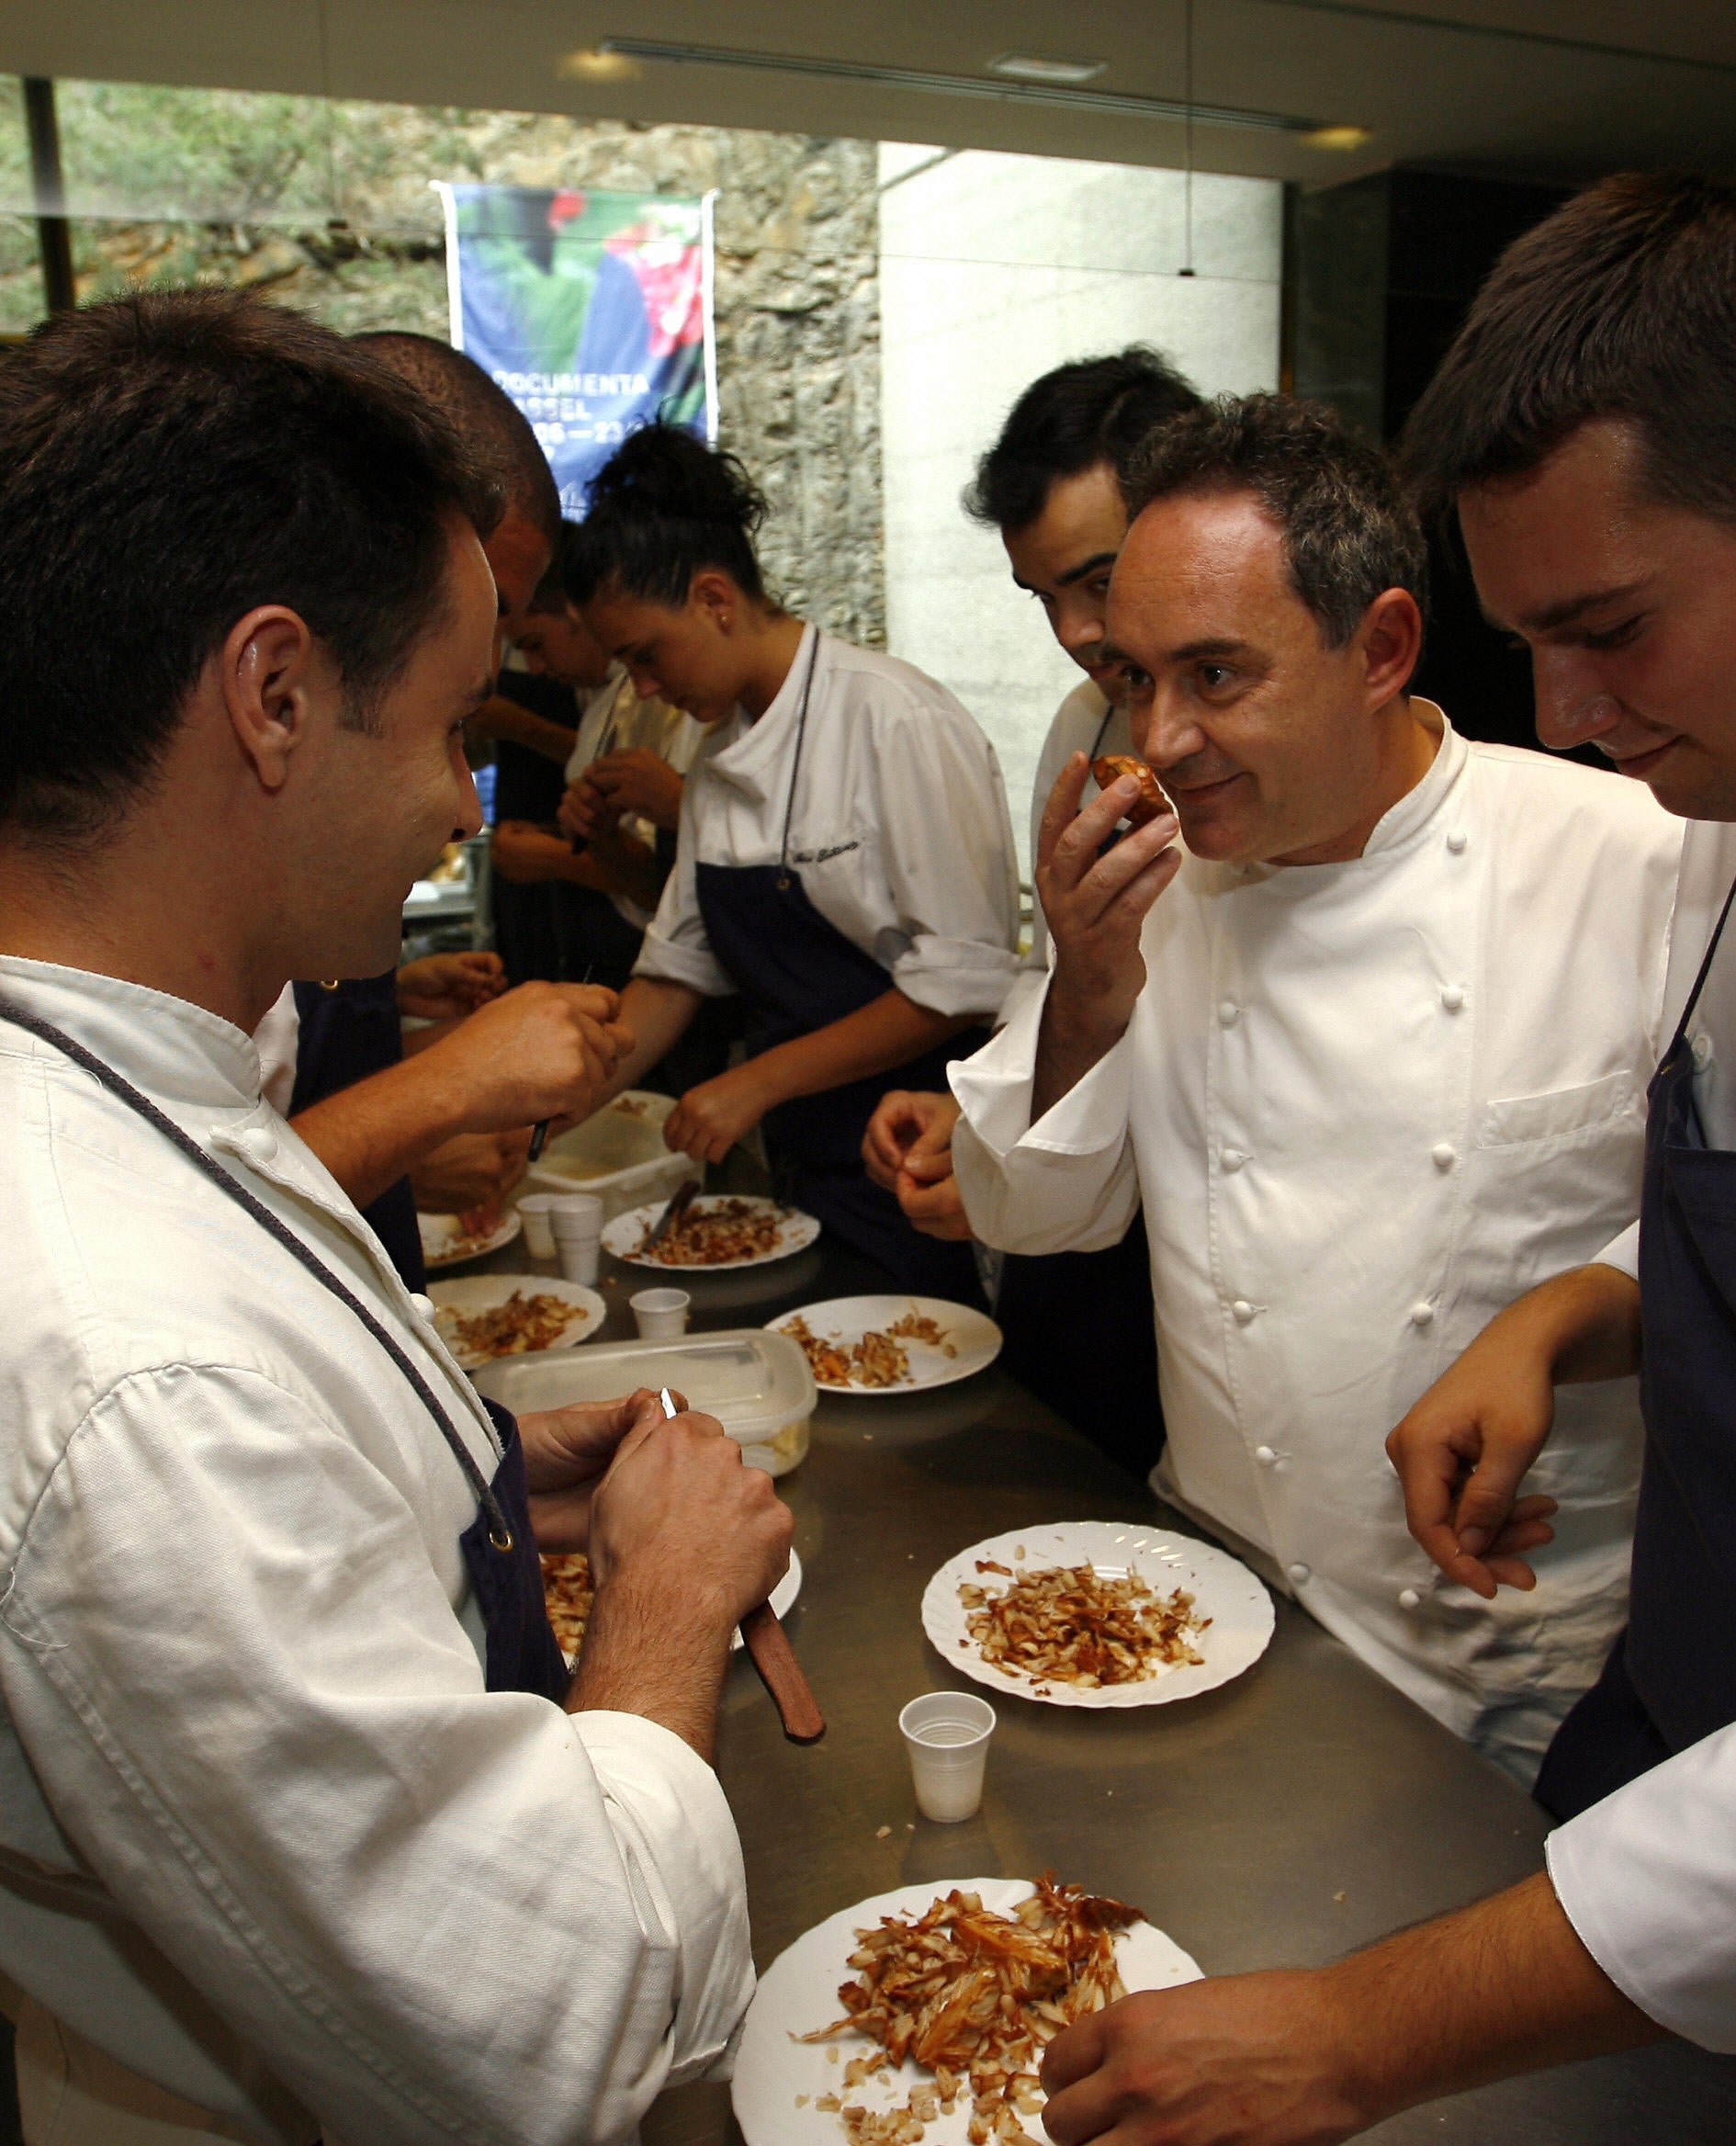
<point>500,1550</point>
<point>798,972</point>
<point>348,1031</point>
<point>1671,1679</point>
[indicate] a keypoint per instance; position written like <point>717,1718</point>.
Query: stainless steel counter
<point>1301,1811</point>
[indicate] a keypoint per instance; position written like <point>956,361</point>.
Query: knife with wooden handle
<point>773,1657</point>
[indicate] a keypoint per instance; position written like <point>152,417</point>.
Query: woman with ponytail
<point>845,860</point>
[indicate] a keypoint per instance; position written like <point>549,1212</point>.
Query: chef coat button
<point>424,1305</point>
<point>1408,1599</point>
<point>258,1143</point>
<point>1242,1311</point>
<point>1445,1154</point>
<point>1231,1158</point>
<point>1265,1456</point>
<point>1702,1048</point>
<point>1301,1574</point>
<point>1422,1314</point>
<point>1228,1013</point>
<point>1452,998</point>
<point>1456,839</point>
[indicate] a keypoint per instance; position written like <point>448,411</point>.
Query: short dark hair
<point>663,507</point>
<point>1349,532</point>
<point>1622,304</point>
<point>169,461</point>
<point>1094,410</point>
<point>495,431</point>
<point>552,596</point>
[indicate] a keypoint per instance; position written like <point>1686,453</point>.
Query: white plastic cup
<point>661,1314</point>
<point>540,1235</point>
<point>576,1219</point>
<point>946,1735</point>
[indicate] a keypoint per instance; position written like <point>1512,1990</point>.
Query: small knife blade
<point>673,1213</point>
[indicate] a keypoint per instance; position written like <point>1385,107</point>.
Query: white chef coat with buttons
<point>253,1794</point>
<point>1648,1877</point>
<point>897,830</point>
<point>1366,1105</point>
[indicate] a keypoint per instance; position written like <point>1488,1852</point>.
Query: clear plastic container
<point>757,1385</point>
<point>618,1154</point>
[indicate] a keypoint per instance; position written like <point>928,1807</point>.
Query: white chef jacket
<point>615,720</point>
<point>1648,1877</point>
<point>897,830</point>
<point>1368,1104</point>
<point>1084,722</point>
<point>253,1795</point>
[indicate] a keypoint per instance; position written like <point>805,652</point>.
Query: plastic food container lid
<point>755,1384</point>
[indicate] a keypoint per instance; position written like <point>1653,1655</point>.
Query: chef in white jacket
<point>1370,1047</point>
<point>304,1830</point>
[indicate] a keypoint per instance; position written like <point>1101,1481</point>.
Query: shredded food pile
<point>516,1327</point>
<point>716,1234</point>
<point>1071,1624</point>
<point>975,1996</point>
<point>879,1359</point>
<point>567,1591</point>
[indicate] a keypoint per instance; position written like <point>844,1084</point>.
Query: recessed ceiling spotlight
<point>597,64</point>
<point>1337,137</point>
<point>1039,67</point>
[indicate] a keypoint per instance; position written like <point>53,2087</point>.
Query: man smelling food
<point>1370,1050</point>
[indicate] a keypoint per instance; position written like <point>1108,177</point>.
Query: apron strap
<point>500,1533</point>
<point>1705,970</point>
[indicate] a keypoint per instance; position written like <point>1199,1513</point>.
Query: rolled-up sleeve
<point>1069,1181</point>
<point>1623,1252</point>
<point>1648,1880</point>
<point>947,848</point>
<point>676,948</point>
<point>442,1913</point>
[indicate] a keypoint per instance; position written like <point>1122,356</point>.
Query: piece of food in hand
<point>974,1997</point>
<point>1151,799</point>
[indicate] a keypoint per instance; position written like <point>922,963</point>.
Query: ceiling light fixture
<point>1337,137</point>
<point>1068,96</point>
<point>1039,67</point>
<point>600,64</point>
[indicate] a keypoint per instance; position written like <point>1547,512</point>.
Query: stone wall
<point>797,305</point>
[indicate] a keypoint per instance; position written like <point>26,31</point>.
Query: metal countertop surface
<point>1301,1811</point>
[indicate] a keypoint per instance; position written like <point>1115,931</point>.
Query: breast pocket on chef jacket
<point>840,875</point>
<point>1554,1177</point>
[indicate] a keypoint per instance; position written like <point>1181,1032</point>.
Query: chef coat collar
<point>756,759</point>
<point>176,1052</point>
<point>1402,824</point>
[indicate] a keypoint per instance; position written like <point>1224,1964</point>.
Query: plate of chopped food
<point>567,1592</point>
<point>890,1344</point>
<point>1098,1613</point>
<point>924,2012</point>
<point>722,1230</point>
<point>488,1315</point>
<point>448,1240</point>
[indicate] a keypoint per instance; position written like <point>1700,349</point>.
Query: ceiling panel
<point>1556,87</point>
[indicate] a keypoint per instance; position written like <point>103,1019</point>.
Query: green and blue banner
<point>592,309</point>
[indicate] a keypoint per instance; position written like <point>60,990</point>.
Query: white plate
<point>799,1992</point>
<point>444,1243</point>
<point>975,1336</point>
<point>783,1601</point>
<point>1225,1590</point>
<point>622,1236</point>
<point>483,1293</point>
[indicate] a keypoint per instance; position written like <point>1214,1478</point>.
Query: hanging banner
<point>593,310</point>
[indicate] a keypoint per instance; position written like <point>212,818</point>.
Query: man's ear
<point>1392,638</point>
<point>270,670</point>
